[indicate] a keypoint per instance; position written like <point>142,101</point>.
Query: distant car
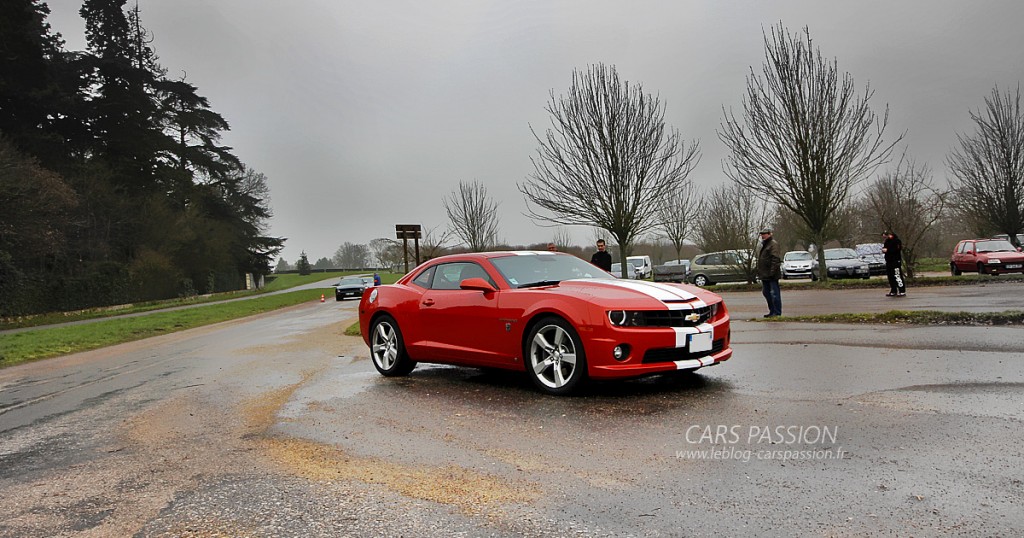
<point>799,264</point>
<point>642,264</point>
<point>350,286</point>
<point>551,315</point>
<point>986,257</point>
<point>872,253</point>
<point>672,271</point>
<point>716,267</point>
<point>845,263</point>
<point>630,271</point>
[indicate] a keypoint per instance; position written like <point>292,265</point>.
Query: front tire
<point>701,280</point>
<point>554,357</point>
<point>981,269</point>
<point>387,349</point>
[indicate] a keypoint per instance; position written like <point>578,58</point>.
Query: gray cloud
<point>365,114</point>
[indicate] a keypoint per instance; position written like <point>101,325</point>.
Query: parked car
<point>986,256</point>
<point>872,253</point>
<point>630,270</point>
<point>799,264</point>
<point>350,286</point>
<point>554,316</point>
<point>672,271</point>
<point>717,267</point>
<point>642,264</point>
<point>845,263</point>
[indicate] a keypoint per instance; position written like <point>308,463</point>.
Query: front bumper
<point>655,350</point>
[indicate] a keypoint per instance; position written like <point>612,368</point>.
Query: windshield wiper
<point>540,283</point>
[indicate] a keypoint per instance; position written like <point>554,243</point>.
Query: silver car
<point>799,264</point>
<point>845,263</point>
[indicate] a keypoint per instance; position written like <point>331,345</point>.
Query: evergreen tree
<point>303,264</point>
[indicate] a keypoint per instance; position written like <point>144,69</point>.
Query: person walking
<point>769,271</point>
<point>892,248</point>
<point>602,258</point>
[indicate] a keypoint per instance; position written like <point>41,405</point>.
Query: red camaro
<point>557,317</point>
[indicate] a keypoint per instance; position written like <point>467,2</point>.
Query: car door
<point>460,325</point>
<point>968,259</point>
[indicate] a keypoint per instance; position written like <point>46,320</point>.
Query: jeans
<point>772,294</point>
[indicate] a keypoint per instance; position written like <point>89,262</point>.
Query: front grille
<point>676,318</point>
<point>669,354</point>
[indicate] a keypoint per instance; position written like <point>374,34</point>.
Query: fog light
<point>621,352</point>
<point>617,353</point>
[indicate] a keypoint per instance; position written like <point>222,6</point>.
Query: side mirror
<point>477,283</point>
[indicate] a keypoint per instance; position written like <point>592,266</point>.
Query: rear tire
<point>953,270</point>
<point>701,280</point>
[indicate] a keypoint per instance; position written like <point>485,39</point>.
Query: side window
<point>423,279</point>
<point>448,276</point>
<point>714,259</point>
<point>699,261</point>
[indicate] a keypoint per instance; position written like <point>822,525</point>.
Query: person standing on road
<point>601,258</point>
<point>769,271</point>
<point>552,247</point>
<point>892,248</point>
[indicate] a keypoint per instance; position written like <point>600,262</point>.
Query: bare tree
<point>382,252</point>
<point>679,212</point>
<point>473,215</point>
<point>988,167</point>
<point>351,256</point>
<point>905,201</point>
<point>607,158</point>
<point>806,137</point>
<point>434,242</point>
<point>562,238</point>
<point>733,216</point>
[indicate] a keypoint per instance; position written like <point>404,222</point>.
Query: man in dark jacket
<point>892,248</point>
<point>601,258</point>
<point>769,271</point>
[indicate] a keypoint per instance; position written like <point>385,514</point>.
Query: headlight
<point>714,310</point>
<point>626,318</point>
<point>995,260</point>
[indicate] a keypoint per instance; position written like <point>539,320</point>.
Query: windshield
<point>349,281</point>
<point>839,254</point>
<point>995,246</point>
<point>869,248</point>
<point>797,256</point>
<point>637,262</point>
<point>531,269</point>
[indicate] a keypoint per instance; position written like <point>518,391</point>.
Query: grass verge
<point>50,342</point>
<point>914,317</point>
<point>274,283</point>
<point>353,330</point>
<point>878,282</point>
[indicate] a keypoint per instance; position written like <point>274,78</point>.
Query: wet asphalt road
<point>278,425</point>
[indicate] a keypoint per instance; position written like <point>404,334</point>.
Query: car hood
<point>618,293</point>
<point>1003,256</point>
<point>845,262</point>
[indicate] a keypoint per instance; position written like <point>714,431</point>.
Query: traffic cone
<point>321,297</point>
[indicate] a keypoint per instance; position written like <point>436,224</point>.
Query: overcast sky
<point>364,115</point>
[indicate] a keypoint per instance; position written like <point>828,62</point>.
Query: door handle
<point>428,302</point>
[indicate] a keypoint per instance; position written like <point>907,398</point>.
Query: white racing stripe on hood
<point>661,292</point>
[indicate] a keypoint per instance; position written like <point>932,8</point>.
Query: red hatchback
<point>986,256</point>
<point>552,315</point>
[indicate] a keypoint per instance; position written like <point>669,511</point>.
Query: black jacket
<point>602,260</point>
<point>893,248</point>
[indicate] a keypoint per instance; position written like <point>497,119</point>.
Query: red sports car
<point>557,317</point>
<point>986,256</point>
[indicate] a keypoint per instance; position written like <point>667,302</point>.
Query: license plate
<point>699,342</point>
<point>1013,266</point>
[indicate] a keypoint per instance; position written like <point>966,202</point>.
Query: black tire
<point>338,297</point>
<point>981,268</point>
<point>953,270</point>
<point>554,357</point>
<point>701,280</point>
<point>387,348</point>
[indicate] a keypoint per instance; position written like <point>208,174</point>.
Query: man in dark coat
<point>892,248</point>
<point>601,258</point>
<point>769,271</point>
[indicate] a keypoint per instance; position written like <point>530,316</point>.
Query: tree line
<point>114,184</point>
<point>802,144</point>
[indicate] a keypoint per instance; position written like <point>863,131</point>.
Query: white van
<point>642,264</point>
